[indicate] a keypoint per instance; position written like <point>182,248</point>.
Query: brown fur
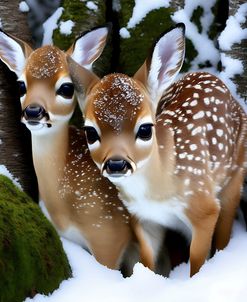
<point>201,164</point>
<point>70,185</point>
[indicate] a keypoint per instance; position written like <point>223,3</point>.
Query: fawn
<point>82,205</point>
<point>176,151</point>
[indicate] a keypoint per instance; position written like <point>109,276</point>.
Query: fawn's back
<point>209,129</point>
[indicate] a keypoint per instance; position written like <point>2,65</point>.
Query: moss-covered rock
<point>134,50</point>
<point>31,256</point>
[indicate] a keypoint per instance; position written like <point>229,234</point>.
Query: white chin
<point>117,178</point>
<point>35,127</point>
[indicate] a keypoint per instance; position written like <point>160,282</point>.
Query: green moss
<point>206,64</point>
<point>31,256</point>
<point>196,18</point>
<point>85,19</point>
<point>134,50</point>
<point>126,11</point>
<point>190,54</point>
<point>214,29</point>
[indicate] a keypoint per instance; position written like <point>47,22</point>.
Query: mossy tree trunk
<point>239,51</point>
<point>38,13</point>
<point>85,17</point>
<point>15,147</point>
<point>134,49</point>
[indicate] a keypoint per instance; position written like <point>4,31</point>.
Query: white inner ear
<point>89,47</point>
<point>166,62</point>
<point>12,54</point>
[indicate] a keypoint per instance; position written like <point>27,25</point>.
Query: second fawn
<point>175,150</point>
<point>82,205</point>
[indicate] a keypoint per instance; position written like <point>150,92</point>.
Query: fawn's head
<point>119,111</point>
<point>45,87</point>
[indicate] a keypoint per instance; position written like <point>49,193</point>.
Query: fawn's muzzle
<point>34,114</point>
<point>117,167</point>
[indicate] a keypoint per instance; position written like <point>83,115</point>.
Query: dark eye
<point>144,132</point>
<point>66,90</point>
<point>91,134</point>
<point>21,88</point>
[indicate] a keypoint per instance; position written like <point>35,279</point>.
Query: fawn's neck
<point>49,157</point>
<point>50,150</point>
<point>155,180</point>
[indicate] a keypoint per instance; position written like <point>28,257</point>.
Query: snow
<point>50,25</point>
<point>201,41</point>
<point>53,23</point>
<point>233,33</point>
<point>5,171</point>
<point>222,278</point>
<point>141,9</point>
<point>232,67</point>
<point>23,7</point>
<point>65,27</point>
<point>124,33</point>
<point>91,5</point>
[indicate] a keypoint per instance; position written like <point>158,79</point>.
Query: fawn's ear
<point>164,63</point>
<point>88,47</point>
<point>83,80</point>
<point>14,52</point>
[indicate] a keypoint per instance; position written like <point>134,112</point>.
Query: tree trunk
<point>15,147</point>
<point>239,51</point>
<point>84,18</point>
<point>135,42</point>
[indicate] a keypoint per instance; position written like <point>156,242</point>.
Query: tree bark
<point>84,19</point>
<point>15,147</point>
<point>239,51</point>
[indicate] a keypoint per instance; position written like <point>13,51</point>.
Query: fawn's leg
<point>146,252</point>
<point>203,214</point>
<point>229,198</point>
<point>109,246</point>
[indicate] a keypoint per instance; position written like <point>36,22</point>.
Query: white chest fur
<point>71,233</point>
<point>169,212</point>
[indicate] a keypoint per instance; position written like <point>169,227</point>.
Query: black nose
<point>117,166</point>
<point>34,112</point>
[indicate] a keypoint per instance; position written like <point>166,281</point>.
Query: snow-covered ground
<point>222,279</point>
